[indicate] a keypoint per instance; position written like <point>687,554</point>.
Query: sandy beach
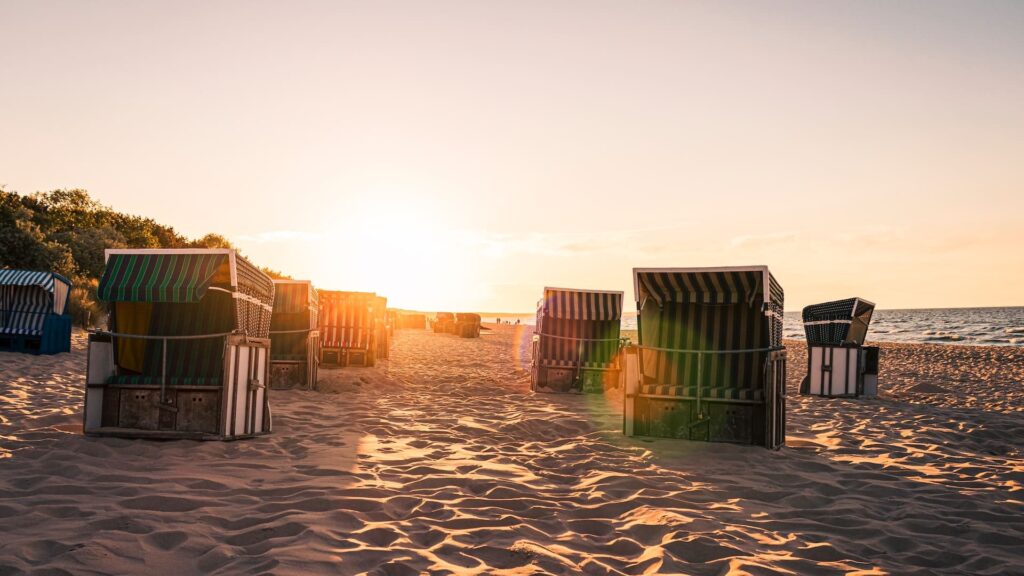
<point>440,460</point>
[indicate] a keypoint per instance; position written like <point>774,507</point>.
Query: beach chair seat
<point>715,393</point>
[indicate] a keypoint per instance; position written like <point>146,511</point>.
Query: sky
<point>463,155</point>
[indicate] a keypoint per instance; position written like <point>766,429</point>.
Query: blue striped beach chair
<point>34,315</point>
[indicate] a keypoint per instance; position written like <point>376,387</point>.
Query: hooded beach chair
<point>467,325</point>
<point>382,328</point>
<point>187,354</point>
<point>33,312</point>
<point>412,321</point>
<point>838,363</point>
<point>576,343</point>
<point>444,323</point>
<point>347,328</point>
<point>294,335</point>
<point>709,364</point>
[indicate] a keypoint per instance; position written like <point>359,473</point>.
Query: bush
<point>83,307</point>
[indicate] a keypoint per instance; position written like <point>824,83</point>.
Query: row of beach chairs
<point>197,336</point>
<point>708,363</point>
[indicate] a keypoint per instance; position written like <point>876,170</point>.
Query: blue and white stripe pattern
<point>27,297</point>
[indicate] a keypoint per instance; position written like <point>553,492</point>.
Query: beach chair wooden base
<point>759,421</point>
<point>571,381</point>
<point>287,375</point>
<point>364,358</point>
<point>237,408</point>
<point>841,371</point>
<point>21,343</point>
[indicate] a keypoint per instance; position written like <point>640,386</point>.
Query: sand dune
<point>440,460</point>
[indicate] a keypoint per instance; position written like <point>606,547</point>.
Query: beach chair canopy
<point>467,317</point>
<point>296,311</point>
<point>347,319</point>
<point>694,323</point>
<point>182,292</point>
<point>578,327</point>
<point>446,316</point>
<point>576,304</point>
<point>27,297</point>
<point>838,322</point>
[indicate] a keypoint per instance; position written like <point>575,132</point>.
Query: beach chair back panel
<point>696,326</point>
<point>568,342</point>
<point>189,362</point>
<point>346,321</point>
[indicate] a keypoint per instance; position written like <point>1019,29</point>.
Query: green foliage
<point>66,231</point>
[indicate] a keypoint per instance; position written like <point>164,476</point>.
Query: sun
<point>401,247</point>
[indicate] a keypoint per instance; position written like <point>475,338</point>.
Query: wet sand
<point>440,460</point>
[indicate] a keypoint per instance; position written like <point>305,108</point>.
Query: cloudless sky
<point>462,155</point>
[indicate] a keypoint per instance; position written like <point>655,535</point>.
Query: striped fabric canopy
<point>185,277</point>
<point>707,285</point>
<point>838,322</point>
<point>575,304</point>
<point>154,277</point>
<point>27,297</point>
<point>294,296</point>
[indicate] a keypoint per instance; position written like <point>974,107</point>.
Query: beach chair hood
<point>838,322</point>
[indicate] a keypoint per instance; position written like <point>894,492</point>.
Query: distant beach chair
<point>347,328</point>
<point>412,321</point>
<point>710,364</point>
<point>576,342</point>
<point>444,323</point>
<point>34,315</point>
<point>838,363</point>
<point>467,325</point>
<point>188,350</point>
<point>294,335</point>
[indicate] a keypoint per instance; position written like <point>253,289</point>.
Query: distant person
<point>499,321</point>
<point>517,321</point>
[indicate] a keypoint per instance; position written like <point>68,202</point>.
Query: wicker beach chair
<point>188,350</point>
<point>709,364</point>
<point>838,363</point>
<point>467,325</point>
<point>347,328</point>
<point>33,312</point>
<point>294,335</point>
<point>444,323</point>
<point>576,342</point>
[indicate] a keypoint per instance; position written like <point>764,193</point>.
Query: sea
<point>974,326</point>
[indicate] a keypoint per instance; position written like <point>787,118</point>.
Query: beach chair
<point>576,341</point>
<point>294,335</point>
<point>444,323</point>
<point>467,325</point>
<point>709,364</point>
<point>838,363</point>
<point>382,328</point>
<point>34,315</point>
<point>347,328</point>
<point>187,354</point>
<point>411,321</point>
